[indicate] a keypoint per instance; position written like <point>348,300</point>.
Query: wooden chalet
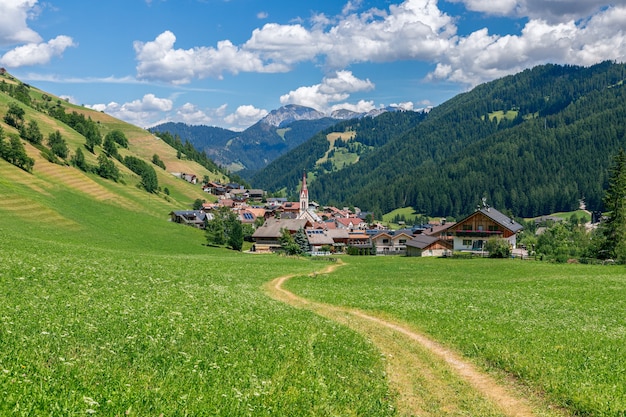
<point>471,233</point>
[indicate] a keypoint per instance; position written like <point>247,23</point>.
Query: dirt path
<point>429,379</point>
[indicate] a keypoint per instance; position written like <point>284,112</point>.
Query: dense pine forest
<point>533,143</point>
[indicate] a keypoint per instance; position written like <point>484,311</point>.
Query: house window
<point>385,241</point>
<point>493,228</point>
<point>467,242</point>
<point>467,227</point>
<point>402,241</point>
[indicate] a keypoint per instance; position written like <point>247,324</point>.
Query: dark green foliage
<point>157,161</point>
<point>197,204</point>
<point>21,92</point>
<point>31,133</point>
<point>78,160</point>
<point>107,169</point>
<point>289,244</point>
<point>498,248</point>
<point>235,235</point>
<point>57,145</point>
<point>613,230</point>
<point>118,137</point>
<point>563,241</point>
<point>215,231</point>
<point>83,125</point>
<point>14,152</point>
<point>225,228</point>
<point>15,116</point>
<point>140,167</point>
<point>110,147</point>
<point>301,240</point>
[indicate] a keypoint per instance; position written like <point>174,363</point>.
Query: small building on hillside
<point>195,218</point>
<point>471,233</point>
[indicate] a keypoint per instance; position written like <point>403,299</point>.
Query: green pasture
<point>106,311</point>
<point>560,329</point>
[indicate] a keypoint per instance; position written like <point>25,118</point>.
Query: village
<point>333,230</point>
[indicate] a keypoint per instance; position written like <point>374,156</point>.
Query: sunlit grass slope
<point>111,311</point>
<point>559,328</point>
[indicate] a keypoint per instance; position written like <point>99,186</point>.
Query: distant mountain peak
<point>291,113</point>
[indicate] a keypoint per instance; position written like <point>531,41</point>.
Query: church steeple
<point>304,195</point>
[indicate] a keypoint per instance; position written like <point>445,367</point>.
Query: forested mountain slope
<point>534,143</point>
<point>335,148</point>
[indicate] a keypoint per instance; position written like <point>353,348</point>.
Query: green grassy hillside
<point>47,176</point>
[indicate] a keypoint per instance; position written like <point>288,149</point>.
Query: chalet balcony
<point>478,233</point>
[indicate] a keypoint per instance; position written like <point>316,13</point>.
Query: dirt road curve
<point>418,368</point>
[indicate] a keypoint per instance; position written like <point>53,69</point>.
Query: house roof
<point>346,221</point>
<point>338,233</point>
<point>272,227</point>
<point>436,229</point>
<point>422,241</point>
<point>319,237</point>
<point>500,218</point>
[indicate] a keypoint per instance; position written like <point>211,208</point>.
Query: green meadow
<point>106,308</point>
<point>108,311</point>
<point>560,329</point>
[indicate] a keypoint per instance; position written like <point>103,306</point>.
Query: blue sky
<point>228,63</point>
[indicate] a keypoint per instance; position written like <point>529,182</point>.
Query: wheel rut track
<point>404,366</point>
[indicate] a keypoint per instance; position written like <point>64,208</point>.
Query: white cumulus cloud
<point>333,88</point>
<point>159,60</point>
<point>142,112</point>
<point>244,117</point>
<point>14,16</point>
<point>482,56</point>
<point>550,10</point>
<point>36,53</point>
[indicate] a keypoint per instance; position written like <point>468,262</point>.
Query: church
<point>306,211</point>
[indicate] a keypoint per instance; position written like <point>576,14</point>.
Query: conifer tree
<point>614,228</point>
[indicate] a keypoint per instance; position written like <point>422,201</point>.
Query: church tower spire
<point>304,195</point>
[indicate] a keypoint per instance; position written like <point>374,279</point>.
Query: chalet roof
<point>272,227</point>
<point>255,191</point>
<point>437,229</point>
<point>422,241</point>
<point>338,233</point>
<point>319,237</point>
<point>346,221</point>
<point>258,212</point>
<point>500,218</point>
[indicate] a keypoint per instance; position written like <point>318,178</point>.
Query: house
<point>255,194</point>
<point>350,223</point>
<point>319,238</point>
<point>425,245</point>
<point>359,240</point>
<point>195,218</point>
<point>471,233</point>
<point>191,178</point>
<point>390,243</point>
<point>439,230</point>
<point>267,237</point>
